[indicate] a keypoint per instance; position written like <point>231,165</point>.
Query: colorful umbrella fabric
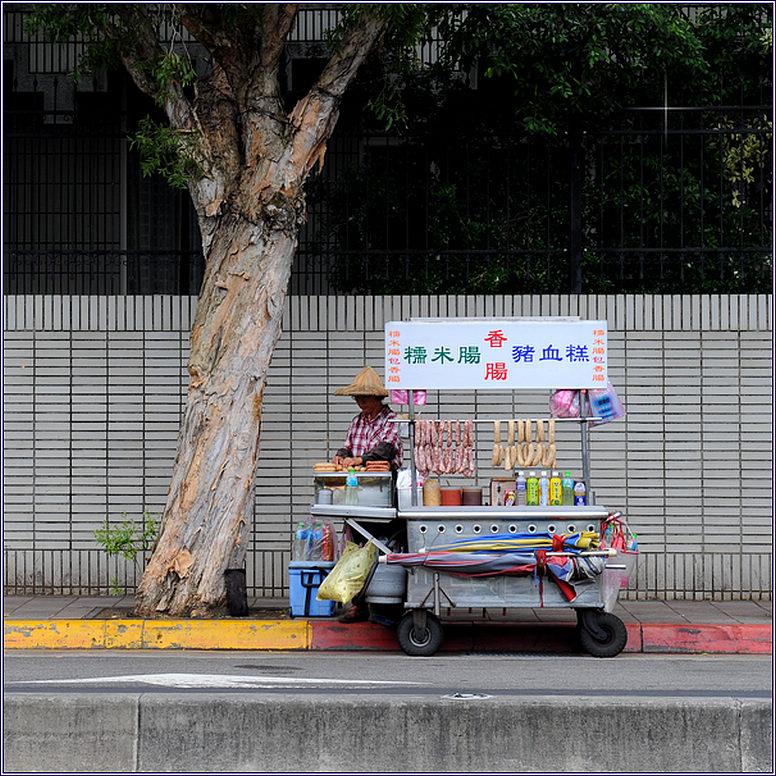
<point>522,542</point>
<point>481,564</point>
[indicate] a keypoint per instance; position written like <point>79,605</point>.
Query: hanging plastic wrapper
<point>314,540</point>
<point>617,534</point>
<point>401,396</point>
<point>349,575</point>
<point>605,404</point>
<point>564,404</point>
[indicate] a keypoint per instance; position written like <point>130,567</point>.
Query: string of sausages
<point>444,447</point>
<point>520,448</point>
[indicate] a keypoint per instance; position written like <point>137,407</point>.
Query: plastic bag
<point>314,540</point>
<point>564,404</point>
<point>400,396</point>
<point>617,534</point>
<point>349,575</point>
<point>605,404</point>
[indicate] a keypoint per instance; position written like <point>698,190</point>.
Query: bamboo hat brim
<point>365,383</point>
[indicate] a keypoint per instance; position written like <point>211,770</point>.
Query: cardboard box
<point>498,490</point>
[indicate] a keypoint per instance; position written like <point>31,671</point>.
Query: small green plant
<point>114,587</point>
<point>127,539</point>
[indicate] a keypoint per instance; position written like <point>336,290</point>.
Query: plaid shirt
<point>374,440</point>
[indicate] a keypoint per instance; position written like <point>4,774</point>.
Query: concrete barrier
<point>220,732</point>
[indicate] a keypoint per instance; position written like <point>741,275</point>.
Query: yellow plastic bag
<point>349,575</point>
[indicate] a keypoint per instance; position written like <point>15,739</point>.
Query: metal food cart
<point>431,592</point>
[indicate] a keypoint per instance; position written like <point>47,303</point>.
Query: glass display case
<point>374,489</point>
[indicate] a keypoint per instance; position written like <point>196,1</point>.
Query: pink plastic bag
<point>564,404</point>
<point>402,397</point>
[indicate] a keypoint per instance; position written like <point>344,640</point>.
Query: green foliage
<point>172,68</point>
<point>471,193</point>
<point>114,587</point>
<point>128,537</point>
<point>170,153</point>
<point>744,152</point>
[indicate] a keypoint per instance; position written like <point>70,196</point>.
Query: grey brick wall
<point>93,389</point>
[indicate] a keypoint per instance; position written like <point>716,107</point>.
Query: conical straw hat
<point>365,383</point>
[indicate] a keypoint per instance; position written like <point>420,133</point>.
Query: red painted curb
<point>635,643</point>
<point>359,636</point>
<point>548,638</point>
<point>756,638</point>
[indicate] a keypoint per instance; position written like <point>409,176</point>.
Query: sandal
<point>354,614</point>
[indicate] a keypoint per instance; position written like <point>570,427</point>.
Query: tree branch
<point>315,115</point>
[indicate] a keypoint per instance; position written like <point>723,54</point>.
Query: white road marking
<point>193,681</point>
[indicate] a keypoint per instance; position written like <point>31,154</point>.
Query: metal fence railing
<point>678,576</point>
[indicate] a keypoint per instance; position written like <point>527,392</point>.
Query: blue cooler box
<point>305,577</point>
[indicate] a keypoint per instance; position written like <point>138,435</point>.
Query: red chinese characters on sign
<point>598,351</point>
<point>393,357</point>
<point>497,371</point>
<point>496,338</point>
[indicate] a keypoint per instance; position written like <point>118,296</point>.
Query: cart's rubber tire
<point>419,642</point>
<point>612,637</point>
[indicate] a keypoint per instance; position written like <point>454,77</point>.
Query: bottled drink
<point>351,488</point>
<point>567,488</point>
<point>556,490</point>
<point>328,543</point>
<point>520,490</point>
<point>315,543</point>
<point>580,494</point>
<point>544,490</point>
<point>532,490</point>
<point>300,543</point>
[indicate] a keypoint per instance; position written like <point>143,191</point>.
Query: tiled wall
<point>93,388</point>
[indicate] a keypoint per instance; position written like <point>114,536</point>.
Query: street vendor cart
<point>500,555</point>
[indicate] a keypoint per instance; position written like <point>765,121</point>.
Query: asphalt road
<point>464,676</point>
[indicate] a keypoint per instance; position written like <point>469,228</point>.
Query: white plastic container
<point>405,497</point>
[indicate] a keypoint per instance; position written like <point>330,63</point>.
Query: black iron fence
<point>667,202</point>
<point>102,272</point>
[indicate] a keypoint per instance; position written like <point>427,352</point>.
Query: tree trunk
<point>253,160</point>
<point>205,522</point>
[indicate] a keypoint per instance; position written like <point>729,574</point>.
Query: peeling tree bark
<point>205,526</point>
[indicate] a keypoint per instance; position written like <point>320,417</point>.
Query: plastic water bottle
<point>328,543</point>
<point>532,490</point>
<point>580,494</point>
<point>567,488</point>
<point>520,490</point>
<point>544,490</point>
<point>315,543</point>
<point>300,543</point>
<point>351,488</point>
<point>556,490</point>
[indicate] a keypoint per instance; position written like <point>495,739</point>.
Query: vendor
<point>374,433</point>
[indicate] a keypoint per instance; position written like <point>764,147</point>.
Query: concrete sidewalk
<point>106,622</point>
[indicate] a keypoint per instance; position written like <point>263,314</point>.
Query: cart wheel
<point>602,634</point>
<point>419,633</point>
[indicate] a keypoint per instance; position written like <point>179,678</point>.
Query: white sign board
<point>479,353</point>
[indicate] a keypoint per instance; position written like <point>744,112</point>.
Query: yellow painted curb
<point>156,634</point>
<point>53,634</point>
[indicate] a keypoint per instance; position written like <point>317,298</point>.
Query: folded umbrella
<point>525,542</point>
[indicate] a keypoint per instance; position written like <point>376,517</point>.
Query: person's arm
<point>382,451</point>
<point>343,454</point>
